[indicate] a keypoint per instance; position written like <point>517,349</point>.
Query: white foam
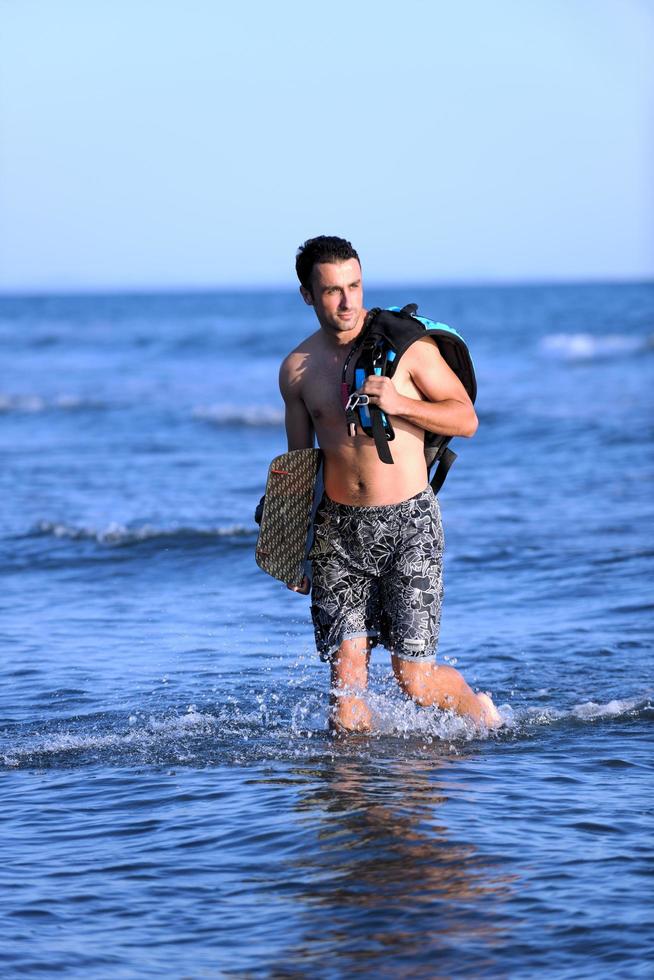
<point>152,733</point>
<point>119,534</point>
<point>590,710</point>
<point>585,711</point>
<point>586,346</point>
<point>253,415</point>
<point>31,404</point>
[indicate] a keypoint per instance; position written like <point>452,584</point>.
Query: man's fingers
<point>302,588</point>
<point>373,387</point>
<point>373,383</point>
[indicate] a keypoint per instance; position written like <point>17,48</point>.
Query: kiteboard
<point>287,511</point>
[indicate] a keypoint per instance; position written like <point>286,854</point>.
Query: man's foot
<point>350,714</point>
<point>490,716</point>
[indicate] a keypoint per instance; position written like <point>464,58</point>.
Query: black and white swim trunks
<point>378,572</point>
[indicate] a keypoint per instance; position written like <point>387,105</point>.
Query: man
<point>378,547</point>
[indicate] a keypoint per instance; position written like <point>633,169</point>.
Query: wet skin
<point>424,394</point>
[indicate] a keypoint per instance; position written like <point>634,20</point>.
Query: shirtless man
<point>378,547</point>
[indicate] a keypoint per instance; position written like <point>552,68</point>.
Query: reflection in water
<point>385,889</point>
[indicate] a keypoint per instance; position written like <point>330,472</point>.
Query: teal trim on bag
<point>432,325</point>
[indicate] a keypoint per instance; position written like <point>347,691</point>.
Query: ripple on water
<point>270,727</point>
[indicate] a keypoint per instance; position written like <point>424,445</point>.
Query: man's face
<point>336,295</point>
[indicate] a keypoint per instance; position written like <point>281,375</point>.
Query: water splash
<point>270,726</point>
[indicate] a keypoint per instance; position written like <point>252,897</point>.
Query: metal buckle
<point>355,400</point>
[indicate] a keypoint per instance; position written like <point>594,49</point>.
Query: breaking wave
<point>36,404</point>
<point>115,534</point>
<point>584,712</point>
<point>256,416</point>
<point>589,347</point>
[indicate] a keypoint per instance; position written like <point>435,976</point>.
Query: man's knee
<point>418,679</point>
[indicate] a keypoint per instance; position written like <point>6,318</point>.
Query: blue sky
<point>166,144</point>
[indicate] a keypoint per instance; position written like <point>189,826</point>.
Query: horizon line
<point>36,292</point>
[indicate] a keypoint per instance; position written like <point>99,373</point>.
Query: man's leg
<point>349,679</point>
<point>435,684</point>
<point>412,597</point>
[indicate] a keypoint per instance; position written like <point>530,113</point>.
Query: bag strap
<point>379,434</point>
<point>445,461</point>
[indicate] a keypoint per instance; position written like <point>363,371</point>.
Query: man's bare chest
<point>321,391</point>
<point>322,383</point>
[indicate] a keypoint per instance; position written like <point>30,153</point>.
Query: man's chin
<point>339,325</point>
<point>346,322</point>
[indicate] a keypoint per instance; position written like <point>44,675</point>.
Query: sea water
<point>172,803</point>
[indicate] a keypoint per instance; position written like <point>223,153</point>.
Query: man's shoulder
<point>294,364</point>
<point>299,354</point>
<point>422,350</point>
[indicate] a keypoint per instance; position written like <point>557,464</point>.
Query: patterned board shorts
<point>378,572</point>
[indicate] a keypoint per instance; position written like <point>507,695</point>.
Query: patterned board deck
<point>285,524</point>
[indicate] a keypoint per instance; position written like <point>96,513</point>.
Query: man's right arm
<point>299,427</point>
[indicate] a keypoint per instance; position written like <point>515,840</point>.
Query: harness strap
<point>444,463</point>
<point>379,434</point>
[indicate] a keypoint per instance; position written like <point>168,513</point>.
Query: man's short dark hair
<point>324,248</point>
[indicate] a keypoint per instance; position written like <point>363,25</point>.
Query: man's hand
<point>382,393</point>
<point>303,588</point>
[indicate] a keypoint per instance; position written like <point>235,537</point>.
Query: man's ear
<point>306,296</point>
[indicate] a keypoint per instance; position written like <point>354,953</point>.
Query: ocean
<point>172,803</point>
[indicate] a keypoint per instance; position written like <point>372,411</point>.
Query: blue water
<point>172,803</point>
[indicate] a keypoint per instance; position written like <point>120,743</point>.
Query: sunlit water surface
<point>172,802</point>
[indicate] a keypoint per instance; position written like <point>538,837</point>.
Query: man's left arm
<point>447,408</point>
